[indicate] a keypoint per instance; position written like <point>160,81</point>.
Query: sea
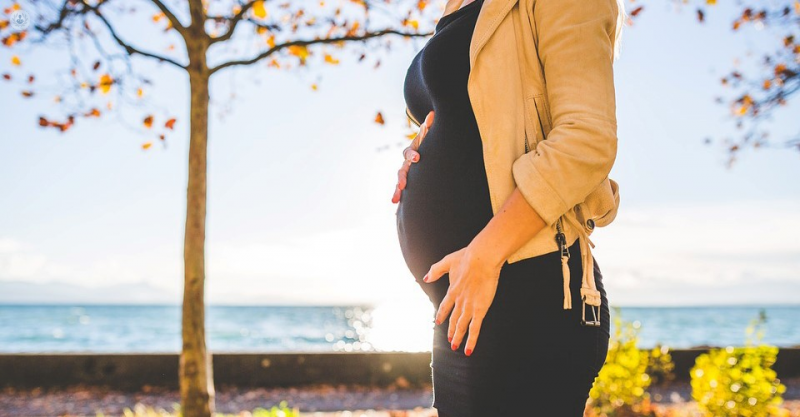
<point>358,328</point>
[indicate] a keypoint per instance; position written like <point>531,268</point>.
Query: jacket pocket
<point>543,110</point>
<point>533,128</point>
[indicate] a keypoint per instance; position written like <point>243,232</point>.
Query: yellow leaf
<point>140,93</point>
<point>147,145</point>
<point>271,41</point>
<point>797,6</point>
<point>331,60</point>
<point>711,2</point>
<point>259,10</point>
<point>15,6</point>
<point>314,87</point>
<point>159,16</point>
<point>105,83</point>
<point>16,61</point>
<point>300,51</point>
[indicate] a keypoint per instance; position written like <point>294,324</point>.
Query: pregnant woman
<point>507,341</point>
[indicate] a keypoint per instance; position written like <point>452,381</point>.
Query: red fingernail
<point>425,278</point>
<point>454,346</point>
<point>449,338</point>
<point>436,321</point>
<point>468,352</point>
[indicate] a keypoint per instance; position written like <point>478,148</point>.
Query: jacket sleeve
<point>575,45</point>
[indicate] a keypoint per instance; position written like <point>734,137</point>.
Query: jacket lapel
<point>491,14</point>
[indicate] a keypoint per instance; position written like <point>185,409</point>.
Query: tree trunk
<point>196,378</point>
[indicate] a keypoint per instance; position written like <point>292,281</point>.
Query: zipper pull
<point>561,239</point>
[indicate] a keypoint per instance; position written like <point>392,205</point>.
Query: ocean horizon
<point>155,328</point>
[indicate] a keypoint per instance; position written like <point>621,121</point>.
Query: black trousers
<point>532,357</point>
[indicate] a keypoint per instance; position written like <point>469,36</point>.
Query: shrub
<point>620,388</point>
<point>739,381</point>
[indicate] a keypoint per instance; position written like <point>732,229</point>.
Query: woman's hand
<point>411,155</point>
<point>473,284</point>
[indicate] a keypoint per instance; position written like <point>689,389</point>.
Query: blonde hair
<point>622,16</point>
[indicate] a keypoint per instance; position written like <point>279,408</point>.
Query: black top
<point>446,199</point>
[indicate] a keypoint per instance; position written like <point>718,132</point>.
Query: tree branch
<point>233,22</point>
<point>172,18</point>
<point>128,48</point>
<point>276,48</point>
<point>198,15</point>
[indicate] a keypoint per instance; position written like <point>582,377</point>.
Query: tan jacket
<point>541,72</point>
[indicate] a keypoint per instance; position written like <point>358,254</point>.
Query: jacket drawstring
<point>589,292</point>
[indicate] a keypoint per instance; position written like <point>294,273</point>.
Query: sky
<point>300,183</point>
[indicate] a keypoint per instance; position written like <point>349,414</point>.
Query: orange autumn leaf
<point>93,113</point>
<point>170,124</point>
<point>636,11</point>
<point>379,119</point>
<point>259,10</point>
<point>148,122</point>
<point>15,61</point>
<point>105,83</point>
<point>271,41</point>
<point>3,24</point>
<point>147,145</point>
<point>300,51</point>
<point>27,94</point>
<point>330,59</point>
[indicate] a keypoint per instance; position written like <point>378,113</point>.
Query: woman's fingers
<point>456,319</point>
<point>410,155</point>
<point>444,307</point>
<point>402,174</point>
<point>396,195</point>
<point>474,330</point>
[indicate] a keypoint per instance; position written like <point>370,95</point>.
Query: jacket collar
<point>491,14</point>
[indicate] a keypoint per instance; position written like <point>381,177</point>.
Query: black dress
<point>532,357</point>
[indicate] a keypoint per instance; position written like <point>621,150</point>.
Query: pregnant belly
<point>444,205</point>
